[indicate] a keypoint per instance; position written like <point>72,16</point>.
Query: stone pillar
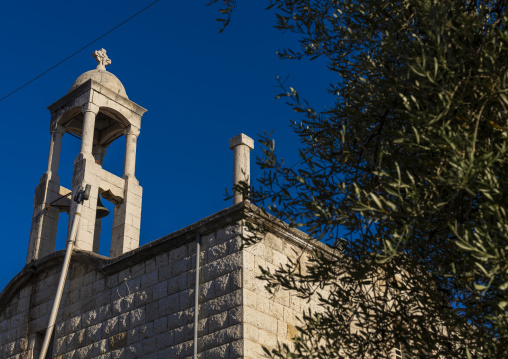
<point>98,153</point>
<point>55,148</point>
<point>90,110</point>
<point>45,221</point>
<point>131,137</point>
<point>241,146</point>
<point>127,220</point>
<point>127,215</point>
<point>86,171</point>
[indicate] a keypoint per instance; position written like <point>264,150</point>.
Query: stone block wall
<point>269,319</point>
<point>141,304</point>
<point>127,220</point>
<point>43,228</point>
<point>143,311</point>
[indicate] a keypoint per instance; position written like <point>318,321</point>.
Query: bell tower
<point>96,109</point>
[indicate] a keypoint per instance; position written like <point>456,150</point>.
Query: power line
<point>81,49</point>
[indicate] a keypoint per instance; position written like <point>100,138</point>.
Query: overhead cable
<point>81,49</point>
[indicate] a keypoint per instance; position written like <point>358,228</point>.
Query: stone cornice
<point>94,85</point>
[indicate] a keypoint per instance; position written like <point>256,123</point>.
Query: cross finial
<point>102,59</point>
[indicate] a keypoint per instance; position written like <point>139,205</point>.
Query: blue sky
<point>200,88</point>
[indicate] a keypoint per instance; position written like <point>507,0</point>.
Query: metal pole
<point>196,298</point>
<point>80,196</point>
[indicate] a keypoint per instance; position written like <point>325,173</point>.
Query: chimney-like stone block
<point>241,146</point>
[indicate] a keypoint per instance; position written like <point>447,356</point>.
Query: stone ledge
<point>90,85</point>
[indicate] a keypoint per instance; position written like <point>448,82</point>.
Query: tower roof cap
<point>101,75</point>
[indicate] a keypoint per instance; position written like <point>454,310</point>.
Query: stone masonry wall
<point>141,305</point>
<point>270,319</point>
<point>145,311</point>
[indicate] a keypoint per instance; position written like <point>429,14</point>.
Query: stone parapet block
<point>112,187</point>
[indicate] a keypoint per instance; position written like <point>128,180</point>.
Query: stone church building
<point>140,302</point>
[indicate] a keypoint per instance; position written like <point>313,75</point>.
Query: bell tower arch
<point>98,110</point>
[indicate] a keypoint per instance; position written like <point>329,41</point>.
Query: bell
<point>101,210</point>
<point>64,205</point>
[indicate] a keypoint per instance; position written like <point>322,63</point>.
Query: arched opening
<point>70,149</point>
<point>106,228</point>
<point>115,157</point>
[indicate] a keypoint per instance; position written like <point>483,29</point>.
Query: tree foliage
<point>410,166</point>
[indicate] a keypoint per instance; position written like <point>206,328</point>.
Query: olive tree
<point>407,170</point>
